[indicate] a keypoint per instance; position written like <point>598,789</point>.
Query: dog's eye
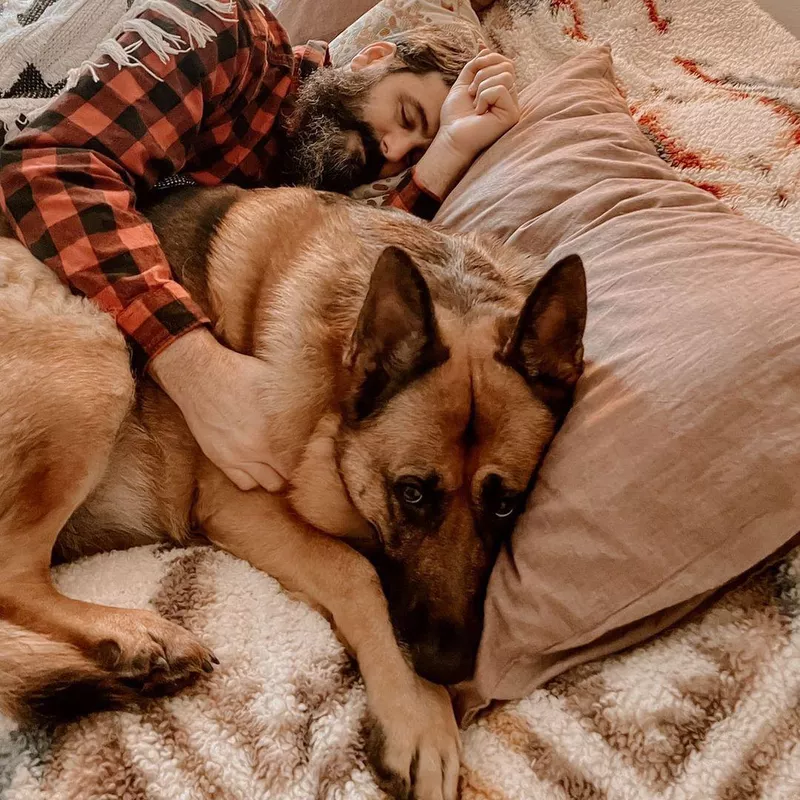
<point>415,494</point>
<point>505,508</point>
<point>499,501</point>
<point>412,495</point>
<point>419,499</point>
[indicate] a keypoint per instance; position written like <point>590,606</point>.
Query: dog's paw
<point>150,654</point>
<point>414,743</point>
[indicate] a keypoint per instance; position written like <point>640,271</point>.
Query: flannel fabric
<point>68,182</point>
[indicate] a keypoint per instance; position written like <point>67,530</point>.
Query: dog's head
<point>446,420</point>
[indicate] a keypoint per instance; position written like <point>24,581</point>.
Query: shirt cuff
<point>423,189</point>
<point>427,203</point>
<point>152,322</point>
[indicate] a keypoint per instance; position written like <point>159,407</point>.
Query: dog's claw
<point>161,663</point>
<point>151,654</point>
<point>214,659</point>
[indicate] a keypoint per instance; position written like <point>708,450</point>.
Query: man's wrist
<point>441,168</point>
<point>176,367</point>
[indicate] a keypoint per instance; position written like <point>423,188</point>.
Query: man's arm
<point>68,183</point>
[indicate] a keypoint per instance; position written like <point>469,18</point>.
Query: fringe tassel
<point>161,42</point>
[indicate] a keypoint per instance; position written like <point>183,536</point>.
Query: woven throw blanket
<point>709,711</point>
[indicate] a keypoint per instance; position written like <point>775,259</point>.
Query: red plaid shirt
<point>68,183</point>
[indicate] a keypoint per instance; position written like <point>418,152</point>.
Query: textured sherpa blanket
<point>709,711</point>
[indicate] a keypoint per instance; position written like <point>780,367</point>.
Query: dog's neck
<point>188,224</point>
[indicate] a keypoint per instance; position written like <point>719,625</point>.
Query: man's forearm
<point>440,169</point>
<point>431,180</point>
<point>68,181</point>
<point>74,212</point>
<point>178,368</point>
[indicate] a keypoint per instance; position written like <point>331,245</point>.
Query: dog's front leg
<point>415,742</point>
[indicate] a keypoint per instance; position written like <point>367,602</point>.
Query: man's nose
<point>397,145</point>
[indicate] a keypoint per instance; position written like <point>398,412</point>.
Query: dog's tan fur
<point>92,461</point>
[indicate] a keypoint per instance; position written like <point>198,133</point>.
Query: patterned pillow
<point>386,18</point>
<point>393,16</point>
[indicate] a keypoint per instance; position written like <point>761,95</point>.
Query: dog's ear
<point>396,338</point>
<point>546,344</point>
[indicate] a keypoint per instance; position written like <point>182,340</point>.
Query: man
<point>243,108</point>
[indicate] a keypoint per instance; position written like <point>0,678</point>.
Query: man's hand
<point>220,393</point>
<point>481,106</point>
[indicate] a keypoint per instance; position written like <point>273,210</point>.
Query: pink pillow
<point>678,469</point>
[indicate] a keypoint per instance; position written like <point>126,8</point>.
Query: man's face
<point>403,112</point>
<point>358,123</point>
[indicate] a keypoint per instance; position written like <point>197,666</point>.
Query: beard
<point>326,144</point>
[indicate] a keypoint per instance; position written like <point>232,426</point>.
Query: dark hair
<point>431,48</point>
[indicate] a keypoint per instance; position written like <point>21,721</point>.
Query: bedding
<point>707,710</point>
<point>678,468</point>
<point>311,19</point>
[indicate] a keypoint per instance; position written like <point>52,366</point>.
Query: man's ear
<point>396,339</point>
<point>372,54</point>
<point>546,345</point>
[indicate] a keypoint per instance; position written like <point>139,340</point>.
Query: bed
<point>708,709</point>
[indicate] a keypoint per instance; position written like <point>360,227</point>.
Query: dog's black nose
<point>445,654</point>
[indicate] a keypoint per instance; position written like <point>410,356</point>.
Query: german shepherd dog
<point>415,381</point>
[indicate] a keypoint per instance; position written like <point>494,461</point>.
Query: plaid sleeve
<point>310,57</point>
<point>410,195</point>
<point>68,182</point>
